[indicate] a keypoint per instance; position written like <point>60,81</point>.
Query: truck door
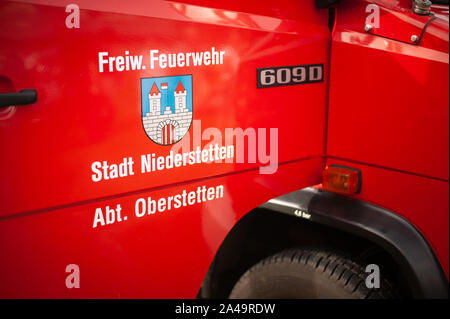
<point>134,100</point>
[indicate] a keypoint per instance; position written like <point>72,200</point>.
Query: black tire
<point>308,274</point>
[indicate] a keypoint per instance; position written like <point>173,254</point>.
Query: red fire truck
<point>215,149</point>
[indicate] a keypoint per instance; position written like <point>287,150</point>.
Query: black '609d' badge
<point>289,75</point>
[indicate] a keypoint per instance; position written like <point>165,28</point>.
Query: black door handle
<point>23,97</point>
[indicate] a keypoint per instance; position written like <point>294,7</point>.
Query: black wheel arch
<point>409,250</point>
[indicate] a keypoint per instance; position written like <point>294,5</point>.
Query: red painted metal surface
<point>84,116</point>
<point>396,19</point>
<point>47,194</point>
<point>391,109</point>
<point>389,116</point>
<point>165,255</point>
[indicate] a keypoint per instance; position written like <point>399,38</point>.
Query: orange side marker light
<point>341,179</point>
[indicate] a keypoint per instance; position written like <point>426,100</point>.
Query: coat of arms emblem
<point>166,107</point>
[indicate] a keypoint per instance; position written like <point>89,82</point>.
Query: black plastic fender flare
<point>395,234</point>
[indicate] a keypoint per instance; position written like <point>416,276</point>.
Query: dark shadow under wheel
<point>309,274</point>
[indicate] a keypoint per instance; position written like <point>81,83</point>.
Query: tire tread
<point>341,269</point>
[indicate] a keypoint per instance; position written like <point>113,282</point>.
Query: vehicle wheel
<point>307,274</point>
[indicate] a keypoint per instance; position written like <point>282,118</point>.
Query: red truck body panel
<point>360,115</point>
<point>82,115</point>
<point>388,115</point>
